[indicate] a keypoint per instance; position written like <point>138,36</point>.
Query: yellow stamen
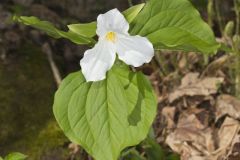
<point>111,36</point>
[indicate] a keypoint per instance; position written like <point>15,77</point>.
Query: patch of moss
<point>26,96</point>
<point>49,143</point>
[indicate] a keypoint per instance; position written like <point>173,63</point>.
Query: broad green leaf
<point>89,29</point>
<point>51,30</point>
<point>15,156</point>
<point>84,29</point>
<point>105,117</point>
<point>174,24</point>
<point>132,12</point>
<point>76,38</point>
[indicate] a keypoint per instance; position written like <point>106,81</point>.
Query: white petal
<point>134,50</point>
<point>98,60</point>
<point>114,21</point>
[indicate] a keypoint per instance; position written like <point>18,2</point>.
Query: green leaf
<point>82,33</point>
<point>173,157</point>
<point>105,117</point>
<point>89,29</point>
<point>41,25</point>
<point>84,29</point>
<point>131,13</point>
<point>132,154</point>
<point>225,48</point>
<point>153,150</point>
<point>1,158</point>
<point>15,156</point>
<point>175,25</point>
<point>51,30</point>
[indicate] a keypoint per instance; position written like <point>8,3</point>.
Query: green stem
<point>210,10</point>
<point>237,70</point>
<point>219,18</point>
<point>237,78</point>
<point>236,49</point>
<point>130,3</point>
<point>159,63</point>
<point>237,16</point>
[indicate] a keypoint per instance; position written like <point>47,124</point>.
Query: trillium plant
<point>112,29</point>
<point>107,106</point>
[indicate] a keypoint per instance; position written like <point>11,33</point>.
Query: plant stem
<point>236,50</point>
<point>237,16</point>
<point>237,79</point>
<point>159,63</point>
<point>219,18</point>
<point>130,3</point>
<point>210,10</point>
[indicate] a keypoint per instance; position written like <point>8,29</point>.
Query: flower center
<point>111,36</point>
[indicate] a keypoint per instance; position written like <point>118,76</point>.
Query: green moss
<point>49,143</point>
<point>26,95</point>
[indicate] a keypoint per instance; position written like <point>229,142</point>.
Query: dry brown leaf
<point>169,113</point>
<point>217,64</point>
<point>235,150</point>
<point>227,105</point>
<point>74,148</point>
<point>193,141</point>
<point>190,121</point>
<point>226,135</point>
<point>192,85</point>
<point>228,131</point>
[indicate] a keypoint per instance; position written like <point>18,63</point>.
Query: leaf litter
<point>197,118</point>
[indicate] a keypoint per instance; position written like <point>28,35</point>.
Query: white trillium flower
<point>112,29</point>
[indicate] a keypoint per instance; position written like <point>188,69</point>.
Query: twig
<point>56,74</point>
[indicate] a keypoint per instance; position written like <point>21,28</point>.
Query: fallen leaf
<point>226,136</point>
<point>192,85</point>
<point>195,142</point>
<point>168,113</point>
<point>74,148</point>
<point>217,64</point>
<point>235,150</point>
<point>227,105</point>
<point>191,139</point>
<point>228,131</point>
